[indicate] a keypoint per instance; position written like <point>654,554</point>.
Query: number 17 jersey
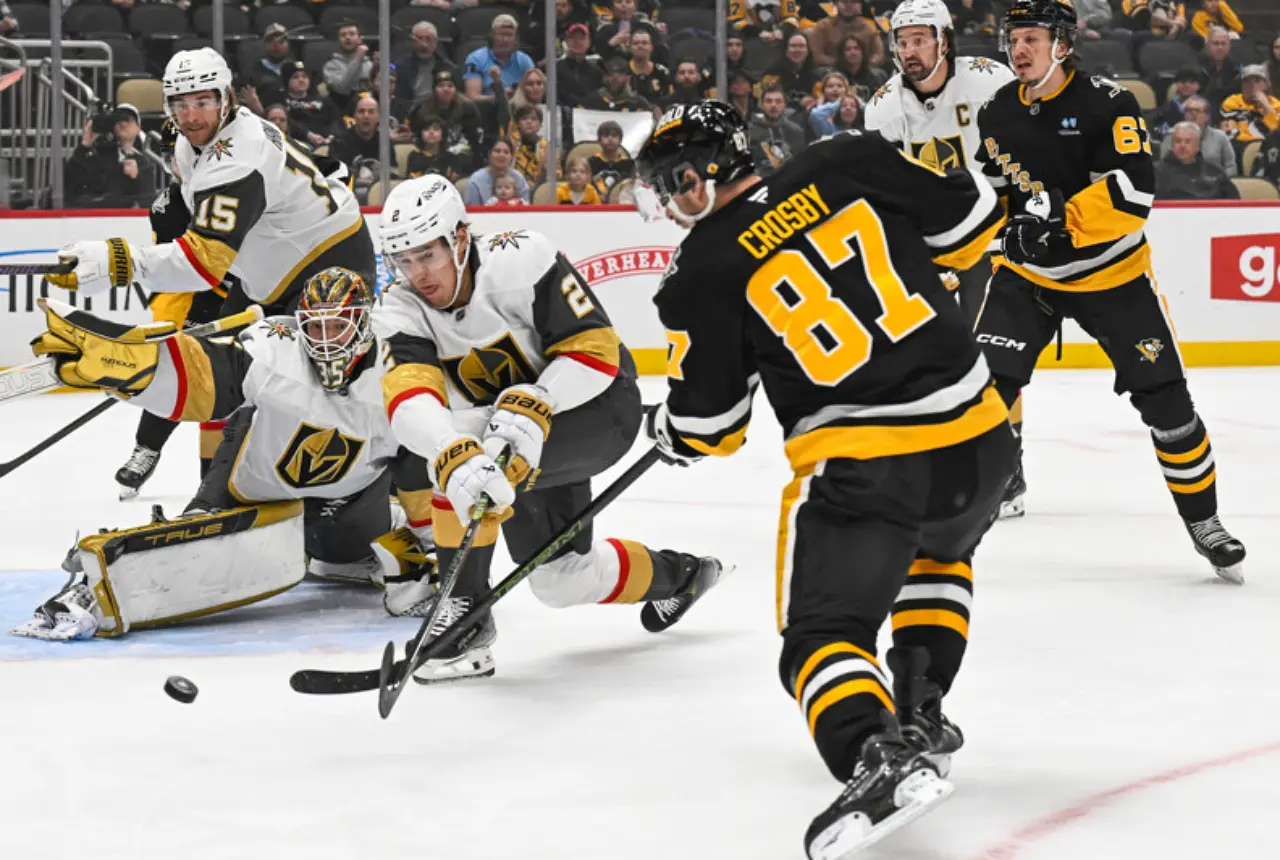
<point>821,283</point>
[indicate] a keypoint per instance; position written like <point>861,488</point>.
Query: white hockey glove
<point>522,420</point>
<point>99,266</point>
<point>464,472</point>
<point>657,426</point>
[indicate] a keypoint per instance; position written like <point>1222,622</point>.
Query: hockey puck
<point>181,689</point>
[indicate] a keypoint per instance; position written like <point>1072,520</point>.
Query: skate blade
<point>1232,573</point>
<point>474,664</point>
<point>1012,509</point>
<point>918,793</point>
<point>128,493</point>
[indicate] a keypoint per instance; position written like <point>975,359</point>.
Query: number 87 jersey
<point>821,283</point>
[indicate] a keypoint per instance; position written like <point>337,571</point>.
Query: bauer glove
<point>657,426</point>
<point>89,352</point>
<point>99,266</point>
<point>464,473</point>
<point>522,420</point>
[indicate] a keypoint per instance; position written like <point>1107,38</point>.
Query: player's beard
<point>916,71</point>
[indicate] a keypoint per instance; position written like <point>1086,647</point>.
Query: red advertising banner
<point>1245,268</point>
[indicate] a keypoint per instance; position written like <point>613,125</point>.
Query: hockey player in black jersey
<point>821,284</point>
<point>1072,155</point>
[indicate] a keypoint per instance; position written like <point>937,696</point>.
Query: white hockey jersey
<point>941,130</point>
<point>262,211</point>
<point>531,318</point>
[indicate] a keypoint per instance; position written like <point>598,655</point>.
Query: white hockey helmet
<point>195,72</point>
<point>419,211</point>
<point>920,13</point>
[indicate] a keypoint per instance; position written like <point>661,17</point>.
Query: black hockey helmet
<point>1057,16</point>
<point>708,137</point>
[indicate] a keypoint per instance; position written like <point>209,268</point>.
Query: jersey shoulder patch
<point>276,349</point>
<point>883,93</point>
<point>239,149</point>
<point>513,260</point>
<point>398,311</point>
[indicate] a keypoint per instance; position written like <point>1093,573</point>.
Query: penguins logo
<point>487,371</point>
<point>941,153</point>
<point>1150,348</point>
<point>317,456</point>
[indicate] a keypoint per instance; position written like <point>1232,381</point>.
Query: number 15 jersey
<point>821,283</point>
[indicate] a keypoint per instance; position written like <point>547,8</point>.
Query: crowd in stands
<point>469,84</point>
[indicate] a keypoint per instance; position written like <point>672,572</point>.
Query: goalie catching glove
<point>522,420</point>
<point>94,353</point>
<point>99,266</point>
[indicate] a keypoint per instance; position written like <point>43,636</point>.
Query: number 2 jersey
<point>261,210</point>
<point>821,283</point>
<point>1089,141</point>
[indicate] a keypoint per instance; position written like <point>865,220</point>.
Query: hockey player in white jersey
<point>262,209</point>
<point>496,341</point>
<point>306,426</point>
<point>930,108</point>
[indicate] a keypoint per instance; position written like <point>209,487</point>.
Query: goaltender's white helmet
<point>920,13</point>
<point>419,211</point>
<point>194,72</point>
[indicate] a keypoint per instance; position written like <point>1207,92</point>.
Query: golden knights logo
<point>511,239</point>
<point>941,153</point>
<point>982,64</point>
<point>1150,348</point>
<point>317,456</point>
<point>219,148</point>
<point>487,371</point>
<point>282,331</point>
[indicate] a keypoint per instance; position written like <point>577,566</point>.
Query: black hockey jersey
<point>820,283</point>
<point>1089,141</point>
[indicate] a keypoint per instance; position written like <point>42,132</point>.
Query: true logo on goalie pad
<point>317,456</point>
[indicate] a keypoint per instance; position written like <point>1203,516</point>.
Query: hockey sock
<point>1186,458</point>
<point>646,574</point>
<point>210,438</point>
<point>1015,417</point>
<point>154,431</point>
<point>932,612</point>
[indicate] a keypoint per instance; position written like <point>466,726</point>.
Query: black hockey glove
<point>657,426</point>
<point>1033,234</point>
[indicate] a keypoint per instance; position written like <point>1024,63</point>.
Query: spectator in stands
<point>1215,146</point>
<point>8,23</point>
<point>313,114</point>
<point>400,109</point>
<point>267,79</point>
<point>1185,85</point>
<point>851,62</point>
<point>688,86</point>
<point>612,164</point>
<point>1223,75</point>
<point>349,67</point>
<point>649,80</point>
<point>462,134</point>
<point>766,20</point>
<point>774,138</point>
<point>849,20</point>
<point>1273,65</point>
<point>532,89</point>
<point>616,93</point>
<point>360,140</point>
<point>735,52</point>
<point>530,147</point>
<point>1182,174</point>
<point>108,170</point>
<point>613,38</point>
<point>416,71</point>
<point>971,16</point>
<point>834,89</point>
<point>278,115</point>
<point>1252,113</point>
<point>578,191</point>
<point>742,96</point>
<point>429,155</point>
<point>506,192</point>
<point>502,53</point>
<point>480,187</point>
<point>1216,13</point>
<point>568,13</point>
<point>577,75</point>
<point>1162,19</point>
<point>1096,20</point>
<point>1268,164</point>
<point>796,75</point>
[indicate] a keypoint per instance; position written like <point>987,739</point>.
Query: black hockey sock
<point>1186,458</point>
<point>154,431</point>
<point>932,612</point>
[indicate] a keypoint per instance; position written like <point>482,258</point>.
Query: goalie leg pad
<point>194,566</point>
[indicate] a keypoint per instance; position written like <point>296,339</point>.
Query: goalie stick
<point>322,682</point>
<point>246,317</point>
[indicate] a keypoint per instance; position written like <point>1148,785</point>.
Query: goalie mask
<point>336,324</point>
<point>709,138</point>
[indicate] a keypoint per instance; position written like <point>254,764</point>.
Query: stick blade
<point>321,682</point>
<point>388,687</point>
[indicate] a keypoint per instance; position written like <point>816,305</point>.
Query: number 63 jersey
<point>821,283</point>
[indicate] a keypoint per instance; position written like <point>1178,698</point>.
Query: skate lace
<point>1210,532</point>
<point>141,459</point>
<point>454,608</point>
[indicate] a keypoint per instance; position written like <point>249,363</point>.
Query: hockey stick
<point>36,268</point>
<point>41,375</point>
<point>321,682</point>
<point>395,674</point>
<point>245,317</point>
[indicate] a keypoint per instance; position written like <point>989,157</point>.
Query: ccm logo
<point>1245,268</point>
<point>1002,341</point>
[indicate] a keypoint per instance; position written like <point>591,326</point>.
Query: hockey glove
<point>464,472</point>
<point>1033,234</point>
<point>657,426</point>
<point>522,420</point>
<point>99,266</point>
<point>89,352</point>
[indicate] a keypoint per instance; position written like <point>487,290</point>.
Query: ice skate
<point>469,657</point>
<point>136,471</point>
<point>659,615</point>
<point>891,786</point>
<point>1224,552</point>
<point>1013,505</point>
<point>919,708</point>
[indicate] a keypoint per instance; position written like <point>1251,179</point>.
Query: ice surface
<point>1104,653</point>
